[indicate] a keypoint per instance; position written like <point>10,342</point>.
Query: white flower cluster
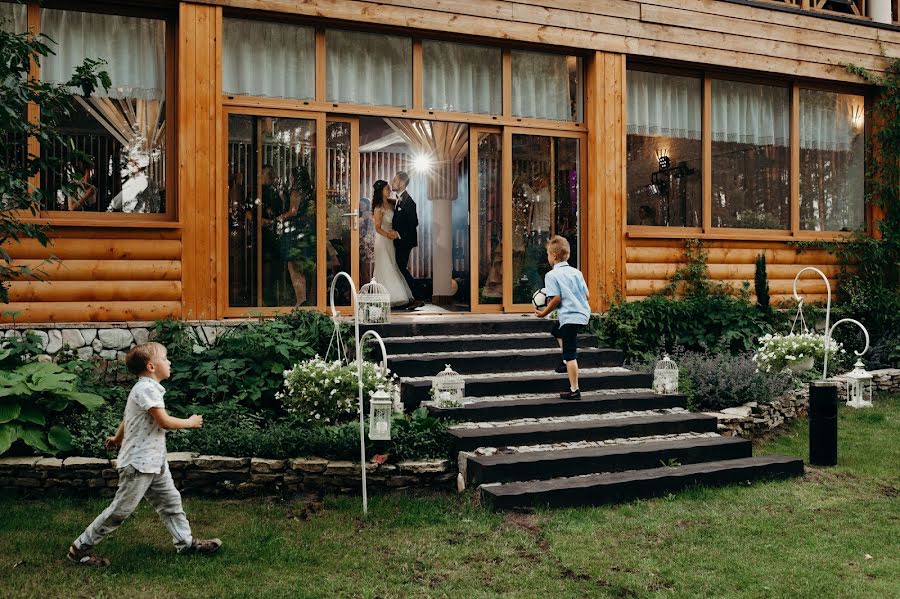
<point>777,351</point>
<point>327,392</point>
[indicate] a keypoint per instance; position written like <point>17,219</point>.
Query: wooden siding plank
<point>88,291</point>
<point>57,312</point>
<point>99,249</point>
<point>104,270</point>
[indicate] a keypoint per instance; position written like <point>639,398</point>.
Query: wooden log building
<point>232,161</point>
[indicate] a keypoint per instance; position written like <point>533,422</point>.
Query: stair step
<point>539,465</point>
<point>598,489</point>
<point>415,390</point>
<point>494,361</point>
<point>551,405</point>
<point>481,342</point>
<point>420,326</point>
<point>468,439</point>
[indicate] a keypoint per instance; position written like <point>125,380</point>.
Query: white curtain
<point>462,77</point>
<point>830,121</point>
<point>540,86</point>
<point>13,17</point>
<point>368,68</point>
<point>664,105</point>
<point>749,113</point>
<point>133,48</point>
<point>272,60</point>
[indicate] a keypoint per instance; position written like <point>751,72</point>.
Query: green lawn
<point>834,533</point>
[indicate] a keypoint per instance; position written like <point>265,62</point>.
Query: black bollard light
<point>823,407</point>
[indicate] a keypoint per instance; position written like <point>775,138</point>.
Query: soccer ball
<point>539,299</point>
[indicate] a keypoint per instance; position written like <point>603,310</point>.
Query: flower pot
<point>801,365</point>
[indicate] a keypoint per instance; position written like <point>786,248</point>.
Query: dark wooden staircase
<point>520,445</point>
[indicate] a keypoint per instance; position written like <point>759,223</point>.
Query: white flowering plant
<point>776,352</point>
<point>325,392</point>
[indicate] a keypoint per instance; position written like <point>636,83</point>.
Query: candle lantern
<point>859,387</point>
<point>374,304</point>
<point>381,409</point>
<point>665,376</point>
<point>449,388</point>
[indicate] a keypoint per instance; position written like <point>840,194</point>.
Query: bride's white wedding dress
<point>386,270</point>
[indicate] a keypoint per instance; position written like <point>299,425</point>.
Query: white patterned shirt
<point>144,445</point>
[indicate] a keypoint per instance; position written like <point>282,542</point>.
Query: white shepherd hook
<point>359,369</point>
<point>828,328</point>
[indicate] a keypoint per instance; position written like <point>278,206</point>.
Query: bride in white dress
<point>386,271</point>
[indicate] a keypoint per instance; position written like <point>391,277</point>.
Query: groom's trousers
<point>402,252</point>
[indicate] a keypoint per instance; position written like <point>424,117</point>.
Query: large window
<point>462,77</point>
<point>368,68</point>
<point>832,152</point>
<point>546,86</point>
<point>13,19</point>
<point>664,149</point>
<point>271,60</point>
<point>724,161</point>
<point>120,134</point>
<point>750,155</point>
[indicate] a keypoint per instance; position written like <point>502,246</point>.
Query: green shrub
<point>34,397</point>
<point>420,436</point>
<point>244,364</point>
<point>711,323</point>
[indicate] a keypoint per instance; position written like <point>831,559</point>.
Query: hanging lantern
<point>665,376</point>
<point>448,388</point>
<point>859,387</point>
<point>374,304</point>
<point>381,409</point>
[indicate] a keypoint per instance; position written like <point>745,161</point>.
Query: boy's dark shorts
<point>569,335</point>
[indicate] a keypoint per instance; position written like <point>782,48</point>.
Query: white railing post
<point>799,299</point>
<point>359,368</point>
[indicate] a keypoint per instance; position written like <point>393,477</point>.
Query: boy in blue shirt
<point>566,291</point>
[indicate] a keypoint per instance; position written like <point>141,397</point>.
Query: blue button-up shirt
<point>568,283</point>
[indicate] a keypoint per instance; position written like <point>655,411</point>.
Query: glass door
<point>272,206</point>
<point>542,200</point>
<point>486,210</point>
<point>342,221</point>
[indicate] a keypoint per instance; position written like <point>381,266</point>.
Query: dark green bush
<point>711,323</point>
<point>244,364</point>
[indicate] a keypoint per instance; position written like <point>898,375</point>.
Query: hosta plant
<point>32,397</point>
<point>777,352</point>
<point>322,392</point>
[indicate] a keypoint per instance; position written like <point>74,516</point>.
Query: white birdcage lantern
<point>859,387</point>
<point>449,388</point>
<point>381,410</point>
<point>665,376</point>
<point>374,304</point>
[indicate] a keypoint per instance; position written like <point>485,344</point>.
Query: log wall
<point>650,265</point>
<point>100,275</point>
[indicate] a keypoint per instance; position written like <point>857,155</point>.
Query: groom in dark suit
<point>406,224</point>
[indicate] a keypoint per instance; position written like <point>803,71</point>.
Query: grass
<point>833,533</point>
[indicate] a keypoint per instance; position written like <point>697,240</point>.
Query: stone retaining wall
<point>106,341</point>
<point>219,475</point>
<point>753,420</point>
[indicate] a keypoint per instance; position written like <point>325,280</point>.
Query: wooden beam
<point>56,312</point>
<point>96,249</point>
<point>94,291</point>
<point>103,270</point>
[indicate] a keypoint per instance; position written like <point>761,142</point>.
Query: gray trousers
<point>160,491</point>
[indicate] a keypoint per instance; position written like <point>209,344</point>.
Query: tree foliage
<point>18,197</point>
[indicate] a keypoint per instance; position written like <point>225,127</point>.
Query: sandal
<point>85,557</point>
<point>203,546</point>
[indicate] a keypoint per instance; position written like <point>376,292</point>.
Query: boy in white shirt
<point>566,291</point>
<point>143,469</point>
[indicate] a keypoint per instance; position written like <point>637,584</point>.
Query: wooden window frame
<point>416,110</point>
<point>164,220</point>
<point>708,232</point>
